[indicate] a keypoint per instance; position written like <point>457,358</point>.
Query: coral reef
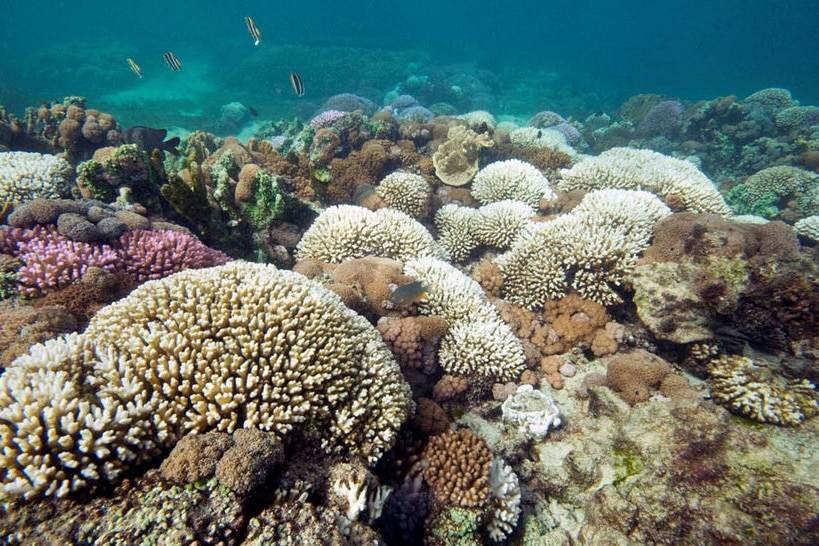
<point>27,175</point>
<point>407,192</point>
<point>161,363</point>
<point>456,160</point>
<point>512,179</point>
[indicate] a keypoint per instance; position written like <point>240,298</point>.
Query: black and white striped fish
<point>253,30</point>
<point>297,83</point>
<point>172,61</point>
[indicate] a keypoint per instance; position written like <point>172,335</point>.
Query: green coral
<point>268,203</point>
<point>742,202</point>
<point>455,527</point>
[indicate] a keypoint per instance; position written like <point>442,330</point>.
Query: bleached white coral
<point>591,249</point>
<point>27,175</point>
<point>533,412</point>
<point>345,232</point>
<point>679,183</point>
<point>542,138</point>
<point>505,498</point>
<point>808,228</point>
<point>511,179</point>
<point>240,345</point>
<point>478,341</point>
<point>477,118</point>
<point>455,234</point>
<point>407,192</point>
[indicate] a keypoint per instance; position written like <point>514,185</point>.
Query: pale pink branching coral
<point>52,261</point>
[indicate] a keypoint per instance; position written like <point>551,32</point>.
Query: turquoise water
<point>512,58</point>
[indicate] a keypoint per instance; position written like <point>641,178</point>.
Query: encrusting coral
<point>240,345</point>
<point>754,390</point>
<point>678,183</point>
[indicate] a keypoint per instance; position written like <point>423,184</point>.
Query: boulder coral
<point>237,346</point>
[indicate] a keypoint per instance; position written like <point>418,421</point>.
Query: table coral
<point>240,345</point>
<point>592,249</point>
<point>344,232</point>
<point>755,390</point>
<point>511,179</point>
<point>679,183</point>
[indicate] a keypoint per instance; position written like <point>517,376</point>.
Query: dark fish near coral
<point>252,111</point>
<point>172,61</point>
<point>135,67</point>
<point>408,293</point>
<point>297,83</point>
<point>149,139</point>
<point>253,30</point>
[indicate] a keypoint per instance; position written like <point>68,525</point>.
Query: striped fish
<point>172,61</point>
<point>135,67</point>
<point>298,85</point>
<point>253,30</point>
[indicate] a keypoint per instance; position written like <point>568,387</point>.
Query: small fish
<point>253,30</point>
<point>172,61</point>
<point>408,293</point>
<point>253,111</point>
<point>362,192</point>
<point>135,67</point>
<point>298,85</point>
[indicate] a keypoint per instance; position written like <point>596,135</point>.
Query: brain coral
<point>592,249</point>
<point>511,179</point>
<point>478,342</point>
<point>239,345</point>
<point>344,232</point>
<point>406,192</point>
<point>679,183</point>
<point>27,175</point>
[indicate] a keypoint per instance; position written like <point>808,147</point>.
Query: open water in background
<point>604,51</point>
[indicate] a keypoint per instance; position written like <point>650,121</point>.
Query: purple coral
<point>570,132</point>
<point>326,118</point>
<point>662,120</point>
<point>545,119</point>
<point>147,255</point>
<point>52,261</point>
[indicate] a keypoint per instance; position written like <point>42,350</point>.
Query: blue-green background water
<point>512,58</point>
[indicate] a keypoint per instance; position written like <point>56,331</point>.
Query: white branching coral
<point>478,342</point>
<point>678,183</point>
<point>236,346</point>
<point>533,137</point>
<point>592,249</point>
<point>27,175</point>
<point>754,390</point>
<point>808,228</point>
<point>511,179</point>
<point>504,491</point>
<point>345,232</point>
<point>407,192</point>
<point>463,229</point>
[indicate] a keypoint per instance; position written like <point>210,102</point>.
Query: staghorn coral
<point>456,160</point>
<point>27,175</point>
<point>755,390</point>
<point>678,183</point>
<point>477,342</point>
<point>237,346</point>
<point>406,192</point>
<point>344,232</point>
<point>511,179</point>
<point>592,249</point>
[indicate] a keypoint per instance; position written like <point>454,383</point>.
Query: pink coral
<point>147,255</point>
<point>326,118</point>
<point>52,261</point>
